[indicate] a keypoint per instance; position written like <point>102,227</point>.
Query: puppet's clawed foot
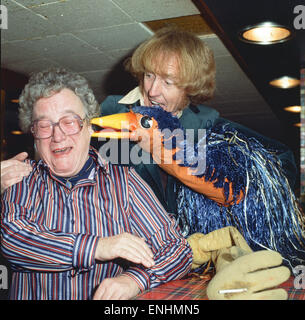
<point>253,276</point>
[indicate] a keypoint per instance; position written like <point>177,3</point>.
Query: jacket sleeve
<point>172,253</point>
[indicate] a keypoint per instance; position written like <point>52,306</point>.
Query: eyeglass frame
<point>53,124</point>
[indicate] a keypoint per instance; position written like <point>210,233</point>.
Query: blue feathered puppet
<point>225,179</point>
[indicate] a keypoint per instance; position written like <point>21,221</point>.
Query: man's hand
<point>119,288</point>
<point>126,246</point>
<point>14,170</point>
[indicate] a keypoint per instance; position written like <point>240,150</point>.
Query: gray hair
<point>48,82</point>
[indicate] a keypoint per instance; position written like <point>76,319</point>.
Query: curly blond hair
<point>196,64</point>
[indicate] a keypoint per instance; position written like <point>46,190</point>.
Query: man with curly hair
<point>78,224</point>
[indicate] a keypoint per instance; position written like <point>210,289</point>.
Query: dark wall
<point>11,86</point>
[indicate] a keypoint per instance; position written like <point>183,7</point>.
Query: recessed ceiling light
<point>285,82</point>
<point>16,132</point>
<point>265,33</point>
<point>295,109</point>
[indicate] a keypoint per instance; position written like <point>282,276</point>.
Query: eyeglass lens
<point>69,125</point>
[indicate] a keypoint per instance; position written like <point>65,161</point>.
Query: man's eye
<point>43,124</point>
<point>68,122</point>
<point>146,122</point>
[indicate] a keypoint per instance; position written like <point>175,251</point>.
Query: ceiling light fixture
<point>285,82</point>
<point>265,33</point>
<point>16,132</point>
<point>295,109</point>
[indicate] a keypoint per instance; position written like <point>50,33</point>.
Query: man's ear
<point>90,129</point>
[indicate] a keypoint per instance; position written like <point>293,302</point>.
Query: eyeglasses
<point>69,125</point>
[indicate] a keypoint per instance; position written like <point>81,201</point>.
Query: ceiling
<point>263,63</point>
<point>93,37</point>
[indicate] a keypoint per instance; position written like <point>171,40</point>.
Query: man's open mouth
<point>62,151</point>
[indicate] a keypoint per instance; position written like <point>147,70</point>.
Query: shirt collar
<point>104,164</point>
<point>132,97</point>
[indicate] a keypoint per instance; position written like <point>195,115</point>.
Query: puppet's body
<point>268,215</point>
<point>241,184</point>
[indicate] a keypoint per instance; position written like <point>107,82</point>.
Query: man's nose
<point>155,88</point>
<point>58,134</point>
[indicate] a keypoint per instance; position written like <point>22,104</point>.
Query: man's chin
<point>64,170</point>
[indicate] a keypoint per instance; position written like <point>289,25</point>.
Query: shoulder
<point>205,111</point>
<point>37,166</point>
<point>199,116</point>
<point>24,191</point>
<point>118,173</point>
<point>111,105</point>
<point>125,174</point>
<point>38,174</point>
<point>112,99</point>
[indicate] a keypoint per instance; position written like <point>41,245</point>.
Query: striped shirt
<point>49,232</point>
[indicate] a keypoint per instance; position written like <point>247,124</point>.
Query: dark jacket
<point>195,117</point>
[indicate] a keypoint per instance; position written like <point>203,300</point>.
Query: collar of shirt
<point>132,97</point>
<point>135,95</point>
<point>84,174</point>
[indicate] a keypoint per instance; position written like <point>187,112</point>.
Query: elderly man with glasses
<point>78,227</point>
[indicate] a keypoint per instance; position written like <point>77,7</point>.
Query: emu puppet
<point>240,185</point>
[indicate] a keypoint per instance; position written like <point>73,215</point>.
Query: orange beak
<point>116,126</point>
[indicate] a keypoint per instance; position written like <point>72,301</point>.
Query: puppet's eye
<point>146,122</point>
